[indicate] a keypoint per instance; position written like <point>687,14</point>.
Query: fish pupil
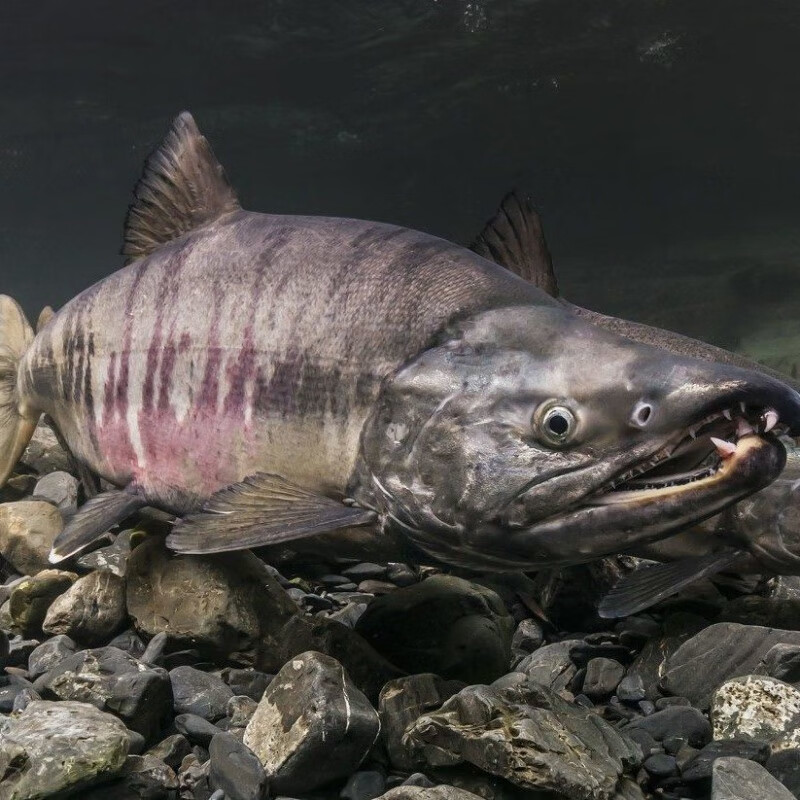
<point>558,424</point>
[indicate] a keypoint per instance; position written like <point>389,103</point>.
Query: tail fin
<point>16,428</point>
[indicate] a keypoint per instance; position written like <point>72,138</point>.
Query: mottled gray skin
<point>365,360</point>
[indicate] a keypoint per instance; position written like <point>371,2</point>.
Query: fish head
<point>528,437</point>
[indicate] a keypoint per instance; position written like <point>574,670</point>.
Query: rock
<point>92,610</point>
<point>112,558</point>
<point>785,766</point>
<point>196,729</point>
<point>312,725</point>
<point>193,779</point>
<point>401,574</point>
<point>249,682</point>
<point>717,653</point>
<point>237,606</point>
<point>171,750</point>
<point>376,587</point>
<point>550,665</point>
<point>782,662</point>
<point>60,489</point>
<point>235,769</point>
<point>767,612</point>
<point>114,681</point>
<point>44,454</point>
<point>27,531</point>
<point>527,637</point>
<point>602,678</point>
<point>196,692</point>
<point>32,597</point>
<point>684,721</point>
<point>757,707</point>
<point>364,572</point>
<point>240,710</point>
<point>661,766</point>
<point>445,625</point>
<point>54,748</point>
<point>364,785</point>
<point>529,735</point>
<point>435,793</point>
<point>130,642</point>
<point>699,768</point>
<point>142,778</point>
<point>401,702</point>
<point>137,743</point>
<point>738,779</point>
<point>49,654</point>
<point>631,688</point>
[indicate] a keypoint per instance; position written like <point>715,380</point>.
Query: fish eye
<point>557,423</point>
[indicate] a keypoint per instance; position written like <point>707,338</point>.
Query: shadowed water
<point>661,140</point>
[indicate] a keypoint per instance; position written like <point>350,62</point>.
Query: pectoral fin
<point>646,587</point>
<point>93,520</point>
<point>262,510</point>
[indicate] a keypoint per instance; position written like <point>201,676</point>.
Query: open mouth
<point>725,444</point>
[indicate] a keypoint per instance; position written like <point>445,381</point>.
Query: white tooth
<point>725,449</point>
<point>743,428</point>
<point>770,419</point>
<point>742,406</point>
<point>727,414</point>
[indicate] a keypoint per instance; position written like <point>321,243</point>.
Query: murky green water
<point>660,138</point>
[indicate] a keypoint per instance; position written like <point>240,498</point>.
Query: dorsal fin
<point>514,239</point>
<point>182,187</point>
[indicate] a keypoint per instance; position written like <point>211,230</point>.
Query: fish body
<point>272,379</point>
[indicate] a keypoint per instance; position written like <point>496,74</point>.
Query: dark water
<point>661,140</point>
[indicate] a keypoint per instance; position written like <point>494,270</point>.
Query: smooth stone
<point>661,765</point>
<point>376,587</point>
<point>445,625</point>
<point>137,743</point>
<point>364,785</point>
<point>683,721</point>
<point>631,688</point>
<point>237,606</point>
<point>402,701</point>
<point>551,665</point>
<point>235,769</point>
<point>767,612</point>
<point>44,454</point>
<point>739,779</point>
<point>349,615</point>
<point>249,682</point>
<point>32,597</point>
<point>114,681</point>
<point>196,729</point>
<point>130,642</point>
<point>699,768</point>
<point>717,653</point>
<point>54,748</point>
<point>401,574</point>
<point>602,678</point>
<point>28,529</point>
<point>24,699</point>
<point>141,778</point>
<point>171,750</point>
<point>425,793</point>
<point>91,611</point>
<point>782,662</point>
<point>757,707</point>
<point>529,735</point>
<point>200,693</point>
<point>50,654</point>
<point>155,649</point>
<point>60,489</point>
<point>240,710</point>
<point>312,726</point>
<point>785,766</point>
<point>364,572</point>
<point>527,637</point>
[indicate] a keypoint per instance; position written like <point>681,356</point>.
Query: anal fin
<point>93,520</point>
<point>648,586</point>
<point>263,509</point>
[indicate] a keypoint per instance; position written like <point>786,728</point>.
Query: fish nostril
<point>642,412</point>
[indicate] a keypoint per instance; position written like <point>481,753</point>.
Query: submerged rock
<point>433,793</point>
<point>92,610</point>
<point>445,625</point>
<point>27,531</point>
<point>529,736</point>
<point>739,779</point>
<point>312,725</point>
<point>32,598</point>
<point>54,748</point>
<point>717,653</point>
<point>59,488</point>
<point>757,707</point>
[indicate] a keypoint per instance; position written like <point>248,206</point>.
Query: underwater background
<point>660,139</point>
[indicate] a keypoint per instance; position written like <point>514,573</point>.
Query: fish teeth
<point>724,448</point>
<point>727,414</point>
<point>770,418</point>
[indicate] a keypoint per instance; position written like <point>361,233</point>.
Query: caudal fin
<point>16,428</point>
